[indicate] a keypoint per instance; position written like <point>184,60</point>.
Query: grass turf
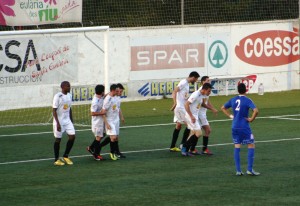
<point>157,176</point>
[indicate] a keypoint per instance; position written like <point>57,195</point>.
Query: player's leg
<point>237,148</point>
<point>176,131</point>
<point>70,130</point>
<point>194,135</point>
<point>56,146</point>
<point>118,153</point>
<point>207,131</point>
<point>251,152</point>
<point>197,135</point>
<point>237,159</point>
<point>113,148</point>
<point>113,138</point>
<point>186,134</point>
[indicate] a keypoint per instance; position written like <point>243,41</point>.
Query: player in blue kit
<point>241,131</point>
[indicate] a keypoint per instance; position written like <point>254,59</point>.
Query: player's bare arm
<point>188,110</point>
<point>121,116</point>
<point>174,96</point>
<point>106,123</point>
<point>210,107</point>
<point>56,119</point>
<point>254,115</point>
<point>226,112</point>
<point>71,115</point>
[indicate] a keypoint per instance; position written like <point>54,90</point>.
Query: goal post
<point>34,63</point>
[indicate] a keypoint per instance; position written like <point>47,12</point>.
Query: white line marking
<point>152,125</point>
<point>140,151</point>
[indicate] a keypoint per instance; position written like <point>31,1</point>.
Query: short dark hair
<point>99,89</point>
<point>113,87</point>
<point>120,86</point>
<point>241,88</point>
<point>206,86</point>
<point>64,83</point>
<point>204,78</point>
<point>194,74</point>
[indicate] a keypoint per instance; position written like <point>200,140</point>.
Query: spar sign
<point>269,48</point>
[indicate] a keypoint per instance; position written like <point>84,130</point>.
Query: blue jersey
<point>240,106</point>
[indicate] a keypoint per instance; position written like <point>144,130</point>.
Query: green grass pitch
<point>151,175</point>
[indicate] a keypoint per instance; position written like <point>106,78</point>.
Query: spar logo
<point>269,48</point>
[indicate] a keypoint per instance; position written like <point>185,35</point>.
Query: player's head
<point>99,89</point>
<point>206,89</point>
<point>113,89</point>
<point>193,77</point>
<point>65,87</point>
<point>205,79</point>
<point>120,89</point>
<point>242,88</point>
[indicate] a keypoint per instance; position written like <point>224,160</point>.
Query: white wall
<point>178,52</point>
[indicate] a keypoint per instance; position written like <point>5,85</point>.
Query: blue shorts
<point>242,136</point>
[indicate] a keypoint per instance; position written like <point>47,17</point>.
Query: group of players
<point>191,111</point>
<point>106,115</point>
<point>188,110</point>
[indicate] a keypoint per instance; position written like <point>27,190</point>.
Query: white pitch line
<point>288,118</point>
<point>151,125</point>
<point>140,151</point>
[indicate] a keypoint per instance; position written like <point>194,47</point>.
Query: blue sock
<point>237,159</point>
<point>250,158</point>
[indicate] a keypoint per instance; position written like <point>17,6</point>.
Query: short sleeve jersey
<point>240,106</point>
<point>97,104</point>
<point>183,93</point>
<point>110,104</point>
<point>196,99</point>
<point>62,102</point>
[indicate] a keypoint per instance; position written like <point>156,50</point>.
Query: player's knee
<point>178,126</point>
<point>57,140</point>
<point>198,133</point>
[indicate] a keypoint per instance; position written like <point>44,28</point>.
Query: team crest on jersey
<point>66,106</point>
<point>114,107</point>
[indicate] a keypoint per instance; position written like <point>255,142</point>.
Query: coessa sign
<point>269,48</point>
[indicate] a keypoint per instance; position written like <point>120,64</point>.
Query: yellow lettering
<point>169,87</point>
<point>76,94</point>
<point>83,94</point>
<point>154,88</point>
<point>91,93</point>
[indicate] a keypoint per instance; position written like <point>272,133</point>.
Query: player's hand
<point>215,111</point>
<point>173,107</point>
<point>249,119</point>
<point>123,121</point>
<point>58,127</point>
<point>193,119</point>
<point>108,127</point>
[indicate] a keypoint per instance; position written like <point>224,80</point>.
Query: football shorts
<point>242,136</point>
<point>179,115</point>
<point>68,128</point>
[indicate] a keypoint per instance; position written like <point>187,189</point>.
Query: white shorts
<point>98,131</point>
<point>192,126</point>
<point>114,127</point>
<point>68,128</point>
<point>203,120</point>
<point>179,115</point>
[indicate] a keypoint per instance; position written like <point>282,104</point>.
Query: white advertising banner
<point>37,12</point>
<point>38,60</point>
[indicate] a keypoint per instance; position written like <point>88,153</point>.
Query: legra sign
<point>269,48</point>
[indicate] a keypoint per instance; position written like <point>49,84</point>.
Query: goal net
<point>34,63</point>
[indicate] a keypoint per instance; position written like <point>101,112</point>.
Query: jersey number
<point>238,105</point>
